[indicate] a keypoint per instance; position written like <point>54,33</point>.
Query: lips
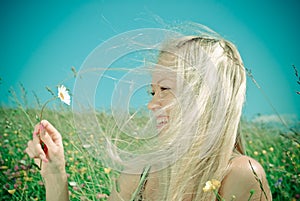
<point>161,121</point>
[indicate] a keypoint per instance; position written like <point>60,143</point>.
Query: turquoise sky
<point>41,41</point>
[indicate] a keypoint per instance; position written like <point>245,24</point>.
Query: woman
<point>198,87</point>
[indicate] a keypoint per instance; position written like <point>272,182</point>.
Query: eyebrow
<point>159,81</point>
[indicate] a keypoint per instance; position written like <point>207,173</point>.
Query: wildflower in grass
<point>23,162</point>
<point>72,168</point>
<point>271,149</point>
<point>107,170</point>
<point>278,182</point>
<point>41,183</point>
<point>211,185</point>
<point>264,152</point>
<point>100,195</point>
<point>207,186</point>
<point>72,183</point>
<point>86,146</point>
<point>12,191</point>
<point>28,178</point>
<point>3,167</point>
<point>83,170</point>
<point>255,153</point>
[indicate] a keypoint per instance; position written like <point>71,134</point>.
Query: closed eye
<point>152,93</point>
<point>164,88</point>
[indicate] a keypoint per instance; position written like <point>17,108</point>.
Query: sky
<point>42,40</point>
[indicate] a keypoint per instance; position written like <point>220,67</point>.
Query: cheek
<point>168,102</point>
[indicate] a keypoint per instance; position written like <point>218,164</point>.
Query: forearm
<point>56,187</point>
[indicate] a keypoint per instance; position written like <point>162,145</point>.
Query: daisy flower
<point>63,94</point>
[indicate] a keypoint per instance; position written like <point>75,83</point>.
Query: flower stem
<point>141,183</point>
<point>218,196</point>
<point>41,116</point>
<point>45,104</point>
<point>251,194</point>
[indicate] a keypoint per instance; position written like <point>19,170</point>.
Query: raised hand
<point>46,148</point>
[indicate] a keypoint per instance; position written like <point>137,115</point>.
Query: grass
<point>277,149</point>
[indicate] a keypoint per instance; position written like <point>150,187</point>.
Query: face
<point>163,90</point>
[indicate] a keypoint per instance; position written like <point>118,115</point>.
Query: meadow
<point>277,148</point>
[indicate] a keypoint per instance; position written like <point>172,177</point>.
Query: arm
<point>53,165</point>
<point>245,177</point>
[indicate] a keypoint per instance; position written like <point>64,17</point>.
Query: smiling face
<point>163,90</point>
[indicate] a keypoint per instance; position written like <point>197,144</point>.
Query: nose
<point>155,103</point>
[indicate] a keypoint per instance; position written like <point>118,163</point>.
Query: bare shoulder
<point>247,166</point>
<point>245,177</point>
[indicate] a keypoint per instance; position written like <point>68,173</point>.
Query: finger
<point>35,151</point>
<point>40,152</point>
<point>46,138</point>
<point>29,152</point>
<point>37,161</point>
<point>51,130</point>
<point>32,154</point>
<point>35,136</point>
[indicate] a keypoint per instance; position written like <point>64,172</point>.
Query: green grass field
<point>277,149</point>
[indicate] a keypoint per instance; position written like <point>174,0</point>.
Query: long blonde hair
<point>213,68</point>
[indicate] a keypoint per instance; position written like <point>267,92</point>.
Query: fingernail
<point>35,132</point>
<point>41,127</point>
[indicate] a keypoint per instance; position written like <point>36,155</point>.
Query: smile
<point>161,121</point>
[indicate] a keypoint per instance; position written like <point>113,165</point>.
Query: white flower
<point>86,146</point>
<point>64,95</point>
<point>72,183</point>
<point>211,185</point>
<point>207,187</point>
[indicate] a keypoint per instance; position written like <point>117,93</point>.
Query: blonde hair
<point>214,73</point>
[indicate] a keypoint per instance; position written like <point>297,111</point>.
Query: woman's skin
<point>53,166</point>
<point>238,182</point>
